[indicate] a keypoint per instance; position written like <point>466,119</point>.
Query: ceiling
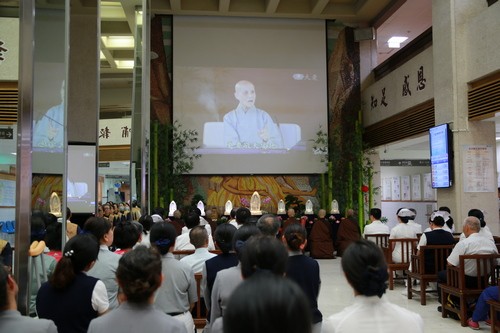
<point>388,18</point>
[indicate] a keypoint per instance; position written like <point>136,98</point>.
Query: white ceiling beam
<point>224,5</point>
<point>318,6</point>
<point>272,6</point>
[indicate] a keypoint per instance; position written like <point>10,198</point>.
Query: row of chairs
<point>416,270</point>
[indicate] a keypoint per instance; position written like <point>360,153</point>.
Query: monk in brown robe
<point>321,238</point>
<point>348,232</point>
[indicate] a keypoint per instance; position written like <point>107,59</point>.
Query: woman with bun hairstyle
<point>365,269</point>
<point>139,276</point>
<point>303,269</point>
<point>71,298</point>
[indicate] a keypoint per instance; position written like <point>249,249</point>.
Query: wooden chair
<point>408,245</point>
<point>437,254</point>
<point>199,320</point>
<point>494,313</point>
<point>455,285</point>
<point>382,240</point>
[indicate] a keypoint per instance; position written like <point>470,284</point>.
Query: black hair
<point>445,209</point>
<point>198,236</point>
<point>68,213</point>
<point>295,235</point>
<point>38,231</point>
<point>162,236</point>
<point>49,219</point>
<point>376,213</point>
<point>439,221</point>
<point>192,220</point>
<point>479,214</point>
<point>159,211</point>
<point>3,286</point>
<point>242,235</point>
<point>224,237</point>
<point>125,235</point>
<point>53,238</point>
<point>263,253</point>
<point>242,215</point>
<point>195,210</point>
<point>147,222</point>
<point>79,252</point>
<point>232,213</point>
<point>97,226</point>
<point>139,274</point>
<point>365,268</point>
<point>266,303</point>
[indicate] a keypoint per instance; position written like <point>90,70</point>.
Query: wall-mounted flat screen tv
<point>441,144</point>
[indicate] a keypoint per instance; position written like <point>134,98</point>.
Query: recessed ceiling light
<point>395,42</point>
<point>118,42</point>
<point>124,64</point>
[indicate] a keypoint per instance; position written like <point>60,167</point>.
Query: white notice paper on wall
<point>416,193</point>
<point>396,188</point>
<point>478,168</point>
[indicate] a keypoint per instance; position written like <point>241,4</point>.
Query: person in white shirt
<point>484,231</point>
<point>402,230</point>
<point>198,236</point>
<point>473,243</point>
<point>232,218</point>
<point>366,271</point>
<point>413,224</point>
<point>376,226</point>
<point>182,241</point>
<point>446,217</point>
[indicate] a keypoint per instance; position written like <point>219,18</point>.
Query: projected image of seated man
<point>248,126</point>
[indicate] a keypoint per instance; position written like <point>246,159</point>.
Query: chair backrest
<point>199,319</point>
<point>434,258</point>
<point>405,247</point>
<point>486,268</point>
<point>382,240</point>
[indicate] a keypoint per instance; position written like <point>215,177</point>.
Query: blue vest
<point>70,308</point>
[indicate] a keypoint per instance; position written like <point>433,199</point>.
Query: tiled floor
<point>335,294</point>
